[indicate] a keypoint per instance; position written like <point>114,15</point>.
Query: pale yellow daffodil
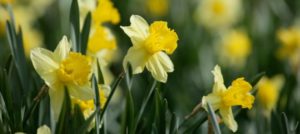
<point>150,45</point>
<point>60,69</point>
<point>41,130</point>
<point>268,92</point>
<point>223,98</point>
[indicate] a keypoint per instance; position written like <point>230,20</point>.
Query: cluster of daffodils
<point>25,15</point>
<point>151,44</point>
<point>63,69</point>
<point>222,98</point>
<point>102,44</point>
<point>218,14</point>
<point>268,92</point>
<point>290,45</point>
<point>234,48</point>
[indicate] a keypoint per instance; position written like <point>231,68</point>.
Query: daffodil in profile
<point>63,69</point>
<point>222,98</point>
<point>151,44</point>
<point>268,92</point>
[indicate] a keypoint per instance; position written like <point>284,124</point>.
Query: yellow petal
<point>228,118</point>
<point>44,130</point>
<point>44,64</point>
<point>157,68</point>
<point>213,99</point>
<point>138,31</point>
<point>137,57</point>
<point>62,50</point>
<point>218,78</point>
<point>84,92</point>
<point>56,100</point>
<point>165,61</point>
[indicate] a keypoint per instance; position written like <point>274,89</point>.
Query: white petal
<point>228,119</point>
<point>165,61</point>
<point>44,64</point>
<point>137,57</point>
<point>157,69</point>
<point>213,99</point>
<point>56,100</point>
<point>44,130</point>
<point>62,49</point>
<point>138,30</point>
<point>218,78</point>
<point>84,92</point>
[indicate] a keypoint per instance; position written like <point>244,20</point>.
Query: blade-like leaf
<point>100,74</point>
<point>85,33</point>
<point>213,118</point>
<point>285,123</point>
<point>63,126</point>
<point>97,102</point>
<point>75,26</point>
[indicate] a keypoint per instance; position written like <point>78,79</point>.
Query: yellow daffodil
<point>150,45</point>
<point>157,8</point>
<point>234,48</point>
<point>290,45</point>
<point>60,69</point>
<point>88,106</point>
<point>268,92</point>
<point>223,98</point>
<point>218,14</point>
<point>105,12</point>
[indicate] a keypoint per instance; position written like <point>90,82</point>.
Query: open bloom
<point>60,69</point>
<point>290,45</point>
<point>218,14</point>
<point>234,48</point>
<point>268,92</point>
<point>223,98</point>
<point>150,45</point>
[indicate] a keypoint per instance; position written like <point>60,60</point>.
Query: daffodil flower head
<point>268,92</point>
<point>223,98</point>
<point>60,69</point>
<point>105,12</point>
<point>157,8</point>
<point>151,44</point>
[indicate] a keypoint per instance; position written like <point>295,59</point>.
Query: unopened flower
<point>60,69</point>
<point>151,44</point>
<point>234,48</point>
<point>222,98</point>
<point>268,92</point>
<point>218,14</point>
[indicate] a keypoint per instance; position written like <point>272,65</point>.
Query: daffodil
<point>157,8</point>
<point>268,92</point>
<point>151,44</point>
<point>290,45</point>
<point>223,98</point>
<point>43,130</point>
<point>218,14</point>
<point>63,69</point>
<point>234,48</point>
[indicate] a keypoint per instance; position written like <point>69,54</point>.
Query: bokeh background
<point>244,37</point>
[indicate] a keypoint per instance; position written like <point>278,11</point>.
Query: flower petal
<point>218,78</point>
<point>84,92</point>
<point>138,30</point>
<point>165,61</point>
<point>158,71</point>
<point>44,64</point>
<point>228,118</point>
<point>137,57</point>
<point>56,100</point>
<point>44,130</point>
<point>213,99</point>
<point>62,49</point>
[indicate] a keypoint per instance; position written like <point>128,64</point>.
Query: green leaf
<point>85,33</point>
<point>129,76</point>
<point>100,74</point>
<point>254,80</point>
<point>213,118</point>
<point>75,26</point>
<point>113,89</point>
<point>128,123</point>
<point>97,102</point>
<point>173,124</point>
<point>285,123</point>
<point>64,126</point>
<point>85,126</point>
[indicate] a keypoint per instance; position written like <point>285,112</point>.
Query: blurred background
<point>243,37</point>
